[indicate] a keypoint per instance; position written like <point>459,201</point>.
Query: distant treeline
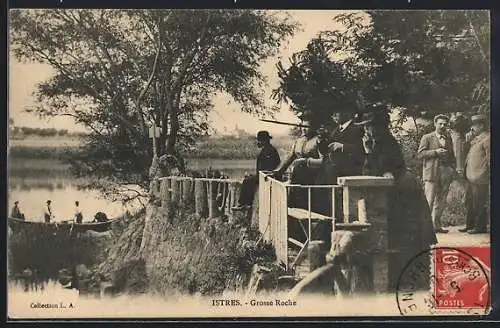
<point>19,131</point>
<point>226,147</point>
<point>231,147</point>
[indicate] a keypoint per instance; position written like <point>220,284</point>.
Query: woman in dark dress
<point>409,219</point>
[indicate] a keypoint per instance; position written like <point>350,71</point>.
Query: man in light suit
<point>436,150</point>
<point>477,173</point>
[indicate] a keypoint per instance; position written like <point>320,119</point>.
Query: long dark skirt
<point>410,227</point>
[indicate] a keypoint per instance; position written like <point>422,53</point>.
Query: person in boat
<point>78,213</point>
<point>16,212</point>
<point>410,223</point>
<point>100,217</point>
<point>48,214</point>
<point>267,160</point>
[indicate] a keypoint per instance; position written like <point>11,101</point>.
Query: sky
<point>226,115</point>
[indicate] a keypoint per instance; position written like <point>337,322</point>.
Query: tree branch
<point>476,37</point>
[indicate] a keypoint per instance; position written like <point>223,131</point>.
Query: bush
<point>185,254</point>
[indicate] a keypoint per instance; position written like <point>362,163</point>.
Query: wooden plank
<point>216,180</point>
<point>302,214</point>
<point>212,206</point>
<point>365,181</point>
<point>296,242</point>
<point>201,201</point>
<point>187,191</point>
<point>352,226</point>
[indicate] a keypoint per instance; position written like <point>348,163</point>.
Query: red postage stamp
<point>461,277</point>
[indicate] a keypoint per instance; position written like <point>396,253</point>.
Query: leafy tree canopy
<point>116,71</point>
<point>420,61</point>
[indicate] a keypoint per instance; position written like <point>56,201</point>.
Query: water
<point>33,189</point>
<point>32,184</point>
<point>32,203</point>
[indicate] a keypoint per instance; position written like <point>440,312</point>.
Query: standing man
<point>344,149</point>
<point>436,150</point>
<point>267,160</point>
<point>78,213</point>
<point>48,212</point>
<point>477,173</point>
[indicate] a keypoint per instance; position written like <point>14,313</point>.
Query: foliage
<point>115,71</point>
<point>185,254</point>
<point>434,61</point>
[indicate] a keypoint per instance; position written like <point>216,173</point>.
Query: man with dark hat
<point>267,160</point>
<point>477,173</point>
<point>344,147</point>
<point>342,155</point>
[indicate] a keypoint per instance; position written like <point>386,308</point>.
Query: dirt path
<point>455,238</point>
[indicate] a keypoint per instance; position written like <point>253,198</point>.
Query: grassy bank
<point>183,254</point>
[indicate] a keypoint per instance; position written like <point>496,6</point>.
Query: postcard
<point>245,163</point>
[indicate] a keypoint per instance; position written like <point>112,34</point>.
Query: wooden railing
<point>210,197</point>
<point>275,210</point>
<point>363,204</point>
<point>273,217</point>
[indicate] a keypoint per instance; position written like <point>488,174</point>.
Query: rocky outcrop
<point>183,253</point>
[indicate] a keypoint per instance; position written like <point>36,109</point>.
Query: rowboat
<point>61,226</point>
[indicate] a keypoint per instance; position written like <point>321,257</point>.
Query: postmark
<point>446,281</point>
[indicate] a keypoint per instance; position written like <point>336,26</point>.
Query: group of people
<point>48,214</point>
<point>445,160</point>
<point>353,144</point>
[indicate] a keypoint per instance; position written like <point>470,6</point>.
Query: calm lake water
<point>34,189</point>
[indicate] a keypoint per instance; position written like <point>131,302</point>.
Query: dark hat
<point>263,135</point>
<point>377,117</point>
<point>16,202</point>
<point>49,201</point>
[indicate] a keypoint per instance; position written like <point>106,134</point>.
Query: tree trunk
<point>173,124</point>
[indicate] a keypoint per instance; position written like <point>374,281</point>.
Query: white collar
<point>439,135</point>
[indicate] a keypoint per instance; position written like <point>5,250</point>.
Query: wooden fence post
<point>175,187</point>
<point>187,191</point>
<point>201,201</point>
<point>165,191</point>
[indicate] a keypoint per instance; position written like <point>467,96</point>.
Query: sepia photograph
<point>244,163</point>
